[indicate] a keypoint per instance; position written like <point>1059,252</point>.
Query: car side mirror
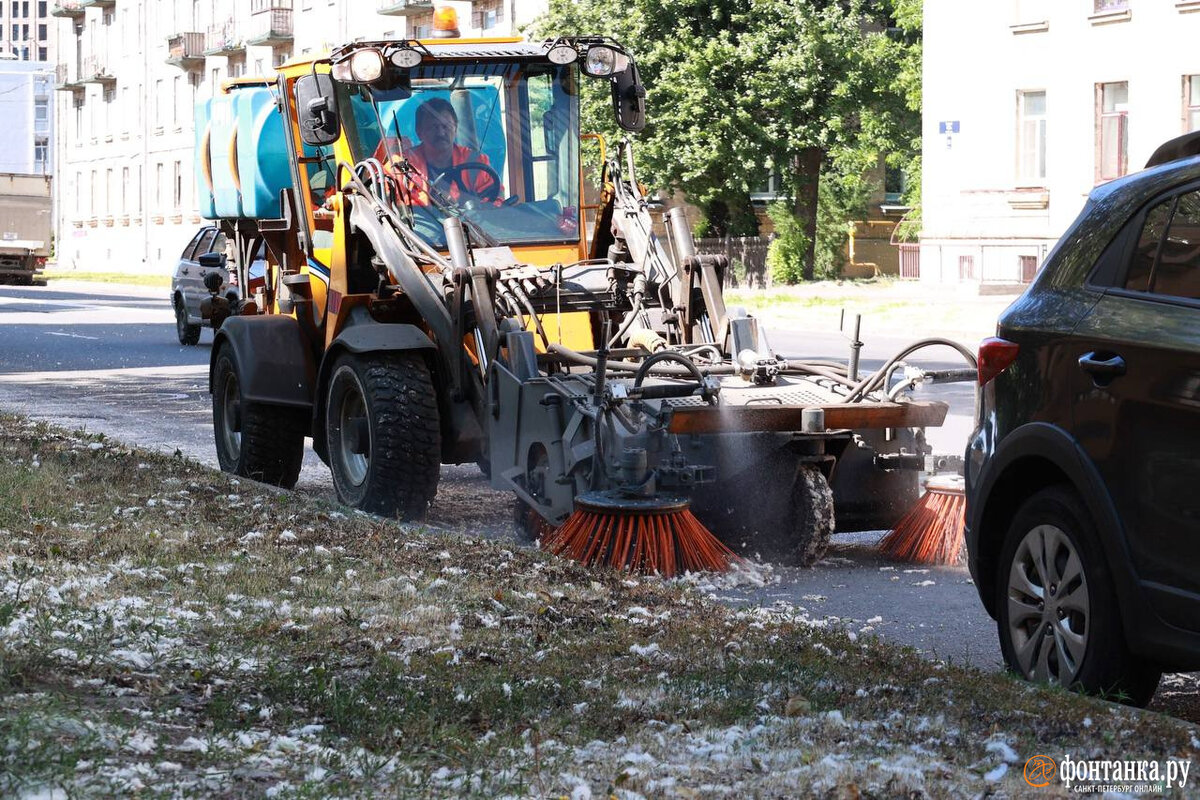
<point>211,260</point>
<point>629,99</point>
<point>316,110</point>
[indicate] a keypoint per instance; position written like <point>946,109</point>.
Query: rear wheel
<point>188,334</point>
<point>1058,618</point>
<point>383,433</point>
<point>261,442</point>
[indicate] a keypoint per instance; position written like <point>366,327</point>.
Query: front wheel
<point>383,433</point>
<point>187,333</point>
<point>261,442</point>
<point>1058,618</point>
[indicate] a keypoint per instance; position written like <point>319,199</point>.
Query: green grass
<point>132,279</point>
<point>166,630</point>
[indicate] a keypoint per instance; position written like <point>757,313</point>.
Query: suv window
<point>201,246</point>
<point>1167,259</point>
<point>191,246</point>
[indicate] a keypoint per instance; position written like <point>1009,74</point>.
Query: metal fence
<point>747,259</point>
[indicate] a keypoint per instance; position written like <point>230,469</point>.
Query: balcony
<point>98,3</point>
<point>404,8</point>
<point>223,40</point>
<point>96,71</point>
<point>186,50</point>
<point>67,8</point>
<point>270,26</point>
<point>66,79</point>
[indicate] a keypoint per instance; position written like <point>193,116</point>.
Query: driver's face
<point>437,131</point>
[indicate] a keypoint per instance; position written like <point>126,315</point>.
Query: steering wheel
<point>457,173</point>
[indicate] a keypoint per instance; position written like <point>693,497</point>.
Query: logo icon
<point>1039,771</point>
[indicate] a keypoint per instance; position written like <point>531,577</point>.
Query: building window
<point>487,16</point>
<point>41,54</point>
<point>1111,5</point>
<point>42,9</point>
<point>966,268</point>
<point>178,184</point>
<point>1191,103</point>
<point>41,115</point>
<point>42,35</point>
<point>1112,147</point>
<point>41,154</point>
<point>1028,268</point>
<point>1031,137</point>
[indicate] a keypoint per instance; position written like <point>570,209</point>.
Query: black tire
<point>791,528</point>
<point>383,433</point>
<point>1068,632</point>
<point>261,442</point>
<point>812,520</point>
<point>188,334</point>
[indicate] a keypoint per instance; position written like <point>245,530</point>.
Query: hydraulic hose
<point>872,381</point>
<point>665,355</point>
<point>575,357</point>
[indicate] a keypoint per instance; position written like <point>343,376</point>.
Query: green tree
<point>737,89</point>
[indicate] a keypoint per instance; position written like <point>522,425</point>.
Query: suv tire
<point>188,334</point>
<point>383,433</point>
<point>262,442</point>
<point>1058,617</point>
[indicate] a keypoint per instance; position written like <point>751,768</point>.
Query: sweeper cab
<point>444,287</point>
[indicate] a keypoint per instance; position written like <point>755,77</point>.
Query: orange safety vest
<point>418,186</point>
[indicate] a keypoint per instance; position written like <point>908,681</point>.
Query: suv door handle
<point>1102,369</point>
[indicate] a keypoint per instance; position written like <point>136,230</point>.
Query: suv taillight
<point>995,355</point>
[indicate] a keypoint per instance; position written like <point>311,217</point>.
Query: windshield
<point>495,144</point>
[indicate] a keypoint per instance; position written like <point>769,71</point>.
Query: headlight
<point>603,61</point>
<point>562,54</point>
<point>366,66</point>
<point>406,58</point>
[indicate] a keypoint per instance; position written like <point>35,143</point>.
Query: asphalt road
<point>105,358</point>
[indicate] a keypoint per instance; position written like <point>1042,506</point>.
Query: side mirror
<point>211,260</point>
<point>316,109</point>
<point>629,99</point>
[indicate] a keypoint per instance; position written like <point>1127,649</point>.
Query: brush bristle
<point>932,532</point>
<point>665,543</point>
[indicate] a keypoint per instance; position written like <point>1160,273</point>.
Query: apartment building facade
<point>129,76</point>
<point>26,106</point>
<point>25,30</point>
<point>1029,107</point>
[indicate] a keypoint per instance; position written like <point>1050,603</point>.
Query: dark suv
<point>1083,475</point>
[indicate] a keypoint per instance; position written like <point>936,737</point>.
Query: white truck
<point>25,221</point>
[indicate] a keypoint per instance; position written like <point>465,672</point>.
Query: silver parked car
<point>203,274</point>
<point>203,256</point>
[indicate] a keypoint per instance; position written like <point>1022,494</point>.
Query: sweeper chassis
<point>756,462</point>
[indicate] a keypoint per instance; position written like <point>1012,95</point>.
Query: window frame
<point>1122,121</point>
<point>1024,179</point>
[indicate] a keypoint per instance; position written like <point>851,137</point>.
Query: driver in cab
<point>450,168</point>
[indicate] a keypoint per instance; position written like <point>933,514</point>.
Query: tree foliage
<point>738,89</point>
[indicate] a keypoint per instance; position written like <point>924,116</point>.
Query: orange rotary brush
<point>651,535</point>
<point>932,532</point>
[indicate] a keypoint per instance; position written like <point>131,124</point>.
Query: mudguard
<point>274,364</point>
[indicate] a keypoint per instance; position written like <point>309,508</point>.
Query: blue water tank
<point>203,162</point>
<point>227,186</point>
<point>264,168</point>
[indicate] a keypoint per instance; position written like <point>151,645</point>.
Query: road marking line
<point>73,335</point>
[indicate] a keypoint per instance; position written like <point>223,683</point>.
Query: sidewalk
<point>901,309</point>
